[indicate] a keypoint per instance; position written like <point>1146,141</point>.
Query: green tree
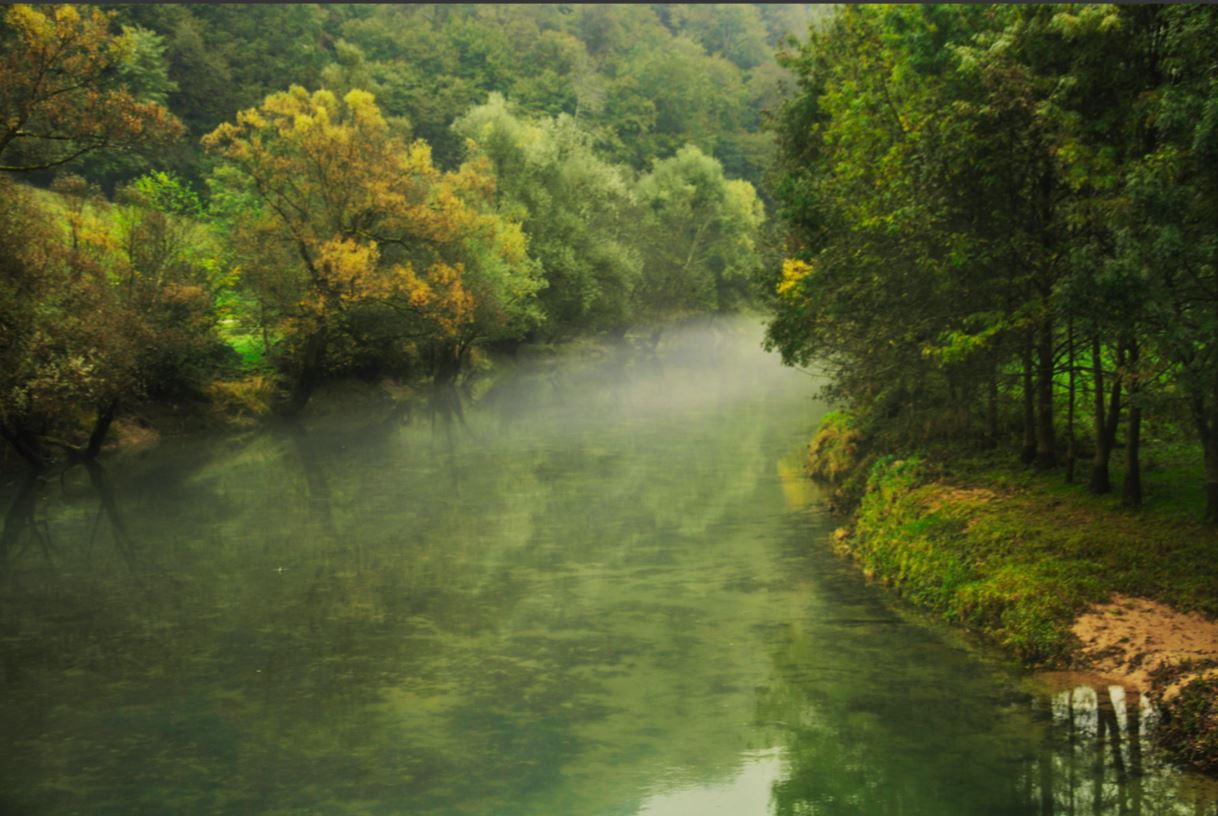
<point>577,211</point>
<point>698,232</point>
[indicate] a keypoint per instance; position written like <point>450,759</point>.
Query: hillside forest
<point>990,227</point>
<point>225,206</point>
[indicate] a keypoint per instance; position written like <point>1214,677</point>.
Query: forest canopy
<point>1000,227</point>
<point>232,204</point>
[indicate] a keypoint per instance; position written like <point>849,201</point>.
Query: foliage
<point>971,541</point>
<point>840,456</point>
<point>322,234</point>
<point>577,209</point>
<point>359,244</point>
<point>110,304</point>
<point>1190,731</point>
<point>64,88</point>
<point>996,213</point>
<point>699,232</point>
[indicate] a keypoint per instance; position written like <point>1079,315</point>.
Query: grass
<point>1014,555</point>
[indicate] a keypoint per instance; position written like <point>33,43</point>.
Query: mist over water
<point>595,583</point>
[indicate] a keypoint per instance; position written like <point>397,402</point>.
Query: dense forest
<point>231,204</point>
<point>1001,229</point>
<point>989,226</point>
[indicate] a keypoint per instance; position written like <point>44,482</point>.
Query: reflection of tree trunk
<point>446,406</point>
<point>20,516</point>
<point>1097,779</point>
<point>316,484</point>
<point>1072,741</point>
<point>1118,761</point>
<point>1106,723</point>
<point>1133,727</point>
<point>105,492</point>
<point>1046,772</point>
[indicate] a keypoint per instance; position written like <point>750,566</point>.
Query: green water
<point>606,592</point>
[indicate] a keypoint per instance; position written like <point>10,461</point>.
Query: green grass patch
<point>250,348</point>
<point>1014,555</point>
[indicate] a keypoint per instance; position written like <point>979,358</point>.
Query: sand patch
<point>1129,638</point>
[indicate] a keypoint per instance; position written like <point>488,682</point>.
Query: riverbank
<point>247,403</point>
<point>1054,576</point>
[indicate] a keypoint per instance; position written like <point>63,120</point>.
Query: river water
<point>605,590</point>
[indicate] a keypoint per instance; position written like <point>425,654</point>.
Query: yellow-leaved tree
<point>62,93</point>
<point>358,249</point>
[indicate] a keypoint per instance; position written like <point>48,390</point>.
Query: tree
<point>699,232</point>
<point>361,244</point>
<point>63,90</point>
<point>111,306</point>
<point>577,210</point>
<point>1166,235</point>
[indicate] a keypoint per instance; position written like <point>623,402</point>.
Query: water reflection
<point>20,519</point>
<point>594,588</point>
<point>1099,763</point>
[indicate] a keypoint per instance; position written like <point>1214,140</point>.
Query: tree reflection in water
<point>1086,758</point>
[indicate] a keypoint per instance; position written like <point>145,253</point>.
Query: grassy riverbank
<point>1015,556</point>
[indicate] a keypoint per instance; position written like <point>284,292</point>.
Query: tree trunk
<point>1105,422</point>
<point>1211,480</point>
<point>1207,432</point>
<point>1132,493</point>
<point>310,371</point>
<point>20,515</point>
<point>991,409</point>
<point>101,427</point>
<point>1133,725</point>
<point>446,365</point>
<point>1046,454</point>
<point>1028,454</point>
<point>1099,465</point>
<point>1071,451</point>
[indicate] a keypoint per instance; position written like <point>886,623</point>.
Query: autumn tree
<point>104,305</point>
<point>358,245</point>
<point>64,91</point>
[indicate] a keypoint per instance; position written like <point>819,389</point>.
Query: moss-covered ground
<point>1014,555</point>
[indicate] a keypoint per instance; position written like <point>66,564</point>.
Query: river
<point>604,590</point>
